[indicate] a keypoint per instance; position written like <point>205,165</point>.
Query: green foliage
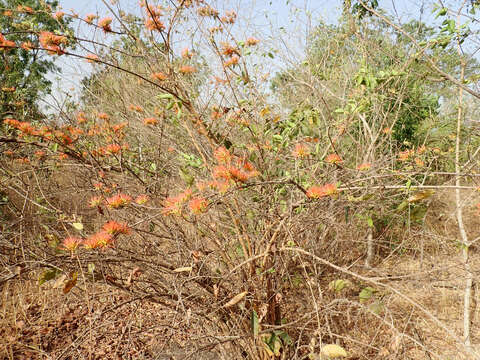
<point>25,70</point>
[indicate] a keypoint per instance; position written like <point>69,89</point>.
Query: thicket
<point>266,214</point>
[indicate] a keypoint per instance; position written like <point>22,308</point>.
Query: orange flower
<point>98,240</point>
<point>251,41</point>
<point>364,166</point>
<point>113,148</point>
<point>141,199</point>
<point>40,154</point>
<point>232,61</point>
<point>114,228</point>
<point>186,53</point>
<point>135,108</point>
<point>316,192</point>
<point>118,201</point>
<point>387,131</point>
<point>25,9</point>
<point>222,155</point>
<point>59,15</point>
<point>207,11</point>
<point>229,50</point>
<point>71,243</point>
<point>419,162</point>
<point>27,45</point>
<point>160,76</point>
<point>198,205</point>
<point>6,44</point>
<point>52,42</point>
<point>220,185</point>
<point>187,69</point>
<point>300,151</point>
<point>221,172</point>
<point>90,17</point>
<point>92,58</point>
<point>103,116</point>
<point>333,159</point>
<point>153,22</point>
<point>95,201</point>
<point>105,24</point>
<point>404,155</point>
<point>237,174</point>
<point>172,206</point>
<point>81,117</point>
<point>229,17</point>
<point>150,121</point>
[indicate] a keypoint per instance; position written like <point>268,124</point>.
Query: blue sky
<point>267,17</point>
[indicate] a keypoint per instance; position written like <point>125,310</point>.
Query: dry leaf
<point>333,351</point>
<point>183,269</point>
<point>236,299</point>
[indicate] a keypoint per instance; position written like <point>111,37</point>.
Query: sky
<point>284,21</point>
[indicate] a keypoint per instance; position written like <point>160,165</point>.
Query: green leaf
<point>370,222</point>
<point>47,275</point>
<point>338,285</point>
<point>165,96</point>
<point>254,323</point>
<point>366,294</point>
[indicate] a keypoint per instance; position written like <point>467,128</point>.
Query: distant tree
<point>24,64</point>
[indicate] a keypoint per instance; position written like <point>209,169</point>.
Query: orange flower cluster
<point>115,228</point>
<point>232,53</point>
<point>229,17</point>
<point>333,159</point>
<point>150,121</point>
<point>6,44</point>
<point>98,240</point>
<point>136,108</point>
<point>90,17</point>
<point>251,41</point>
<point>207,11</point>
<point>92,58</point>
<point>71,243</point>
<point>95,201</point>
<point>364,166</point>
<point>153,22</point>
<point>198,205</point>
<point>301,151</point>
<point>173,205</point>
<point>118,201</point>
<point>59,15</point>
<point>105,24</point>
<point>81,117</point>
<point>186,54</point>
<point>187,69</point>
<point>231,168</point>
<point>232,61</point>
<point>52,42</point>
<point>160,76</point>
<point>25,9</point>
<point>40,154</point>
<point>27,45</point>
<point>23,126</point>
<point>141,199</point>
<point>316,192</point>
<point>113,149</point>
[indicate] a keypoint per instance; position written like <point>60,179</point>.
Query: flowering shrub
<point>233,204</point>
